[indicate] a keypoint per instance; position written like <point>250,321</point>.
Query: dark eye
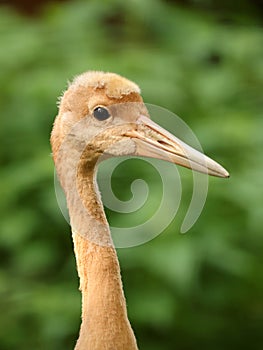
<point>101,113</point>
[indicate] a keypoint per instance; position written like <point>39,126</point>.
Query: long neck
<point>105,324</point>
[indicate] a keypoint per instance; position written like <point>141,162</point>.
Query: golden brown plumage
<point>103,114</point>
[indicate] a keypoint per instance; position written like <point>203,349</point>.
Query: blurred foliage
<point>202,290</point>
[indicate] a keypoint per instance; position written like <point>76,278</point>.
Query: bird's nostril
<point>161,142</point>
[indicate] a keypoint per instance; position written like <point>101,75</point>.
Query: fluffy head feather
<point>113,84</point>
<point>87,91</point>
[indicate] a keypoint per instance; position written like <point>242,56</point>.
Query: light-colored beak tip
<point>222,172</point>
<point>226,173</point>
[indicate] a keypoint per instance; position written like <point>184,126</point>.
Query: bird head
<point>106,113</point>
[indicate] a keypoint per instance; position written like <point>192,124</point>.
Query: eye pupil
<point>101,113</point>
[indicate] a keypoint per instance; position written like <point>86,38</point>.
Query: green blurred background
<point>202,60</point>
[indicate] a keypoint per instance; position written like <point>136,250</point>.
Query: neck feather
<point>105,324</point>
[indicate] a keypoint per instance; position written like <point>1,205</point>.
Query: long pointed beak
<point>155,142</point>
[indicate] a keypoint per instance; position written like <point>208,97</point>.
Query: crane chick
<point>103,115</point>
